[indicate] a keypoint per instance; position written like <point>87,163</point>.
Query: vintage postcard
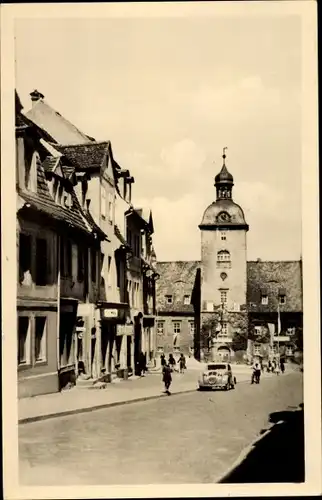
<point>160,237</point>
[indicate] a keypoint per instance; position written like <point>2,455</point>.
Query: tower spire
<point>224,156</point>
<point>224,180</point>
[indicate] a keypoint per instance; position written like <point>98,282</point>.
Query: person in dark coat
<point>167,377</point>
<point>162,359</point>
<point>171,362</point>
<point>182,363</point>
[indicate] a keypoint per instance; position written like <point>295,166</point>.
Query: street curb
<point>38,418</point>
<point>88,409</point>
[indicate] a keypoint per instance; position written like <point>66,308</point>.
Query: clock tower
<point>223,228</point>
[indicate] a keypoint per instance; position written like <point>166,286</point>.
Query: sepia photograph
<point>161,263</point>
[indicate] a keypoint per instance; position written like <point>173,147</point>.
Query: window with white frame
<point>176,349</point>
<point>176,327</point>
<point>257,350</point>
<point>23,340</point>
<point>223,296</point>
<point>186,300</point>
<point>40,338</point>
<point>282,299</point>
<point>169,299</point>
<point>160,327</point>
<point>264,299</point>
<point>224,329</point>
<point>103,202</point>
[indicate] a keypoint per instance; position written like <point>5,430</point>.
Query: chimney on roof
<point>35,96</point>
<point>259,260</point>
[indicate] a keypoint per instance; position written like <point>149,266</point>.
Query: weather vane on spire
<point>224,153</point>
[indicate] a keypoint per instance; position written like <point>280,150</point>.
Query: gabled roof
<point>146,214</point>
<point>43,202</point>
<point>274,278</point>
<point>59,128</point>
<point>177,278</point>
<point>85,156</point>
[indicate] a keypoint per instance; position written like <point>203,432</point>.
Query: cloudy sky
<point>170,93</point>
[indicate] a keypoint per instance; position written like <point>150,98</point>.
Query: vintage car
<point>217,376</point>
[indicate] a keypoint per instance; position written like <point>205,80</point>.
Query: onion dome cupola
<point>224,212</point>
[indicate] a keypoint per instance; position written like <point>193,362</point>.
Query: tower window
<point>223,258</point>
<point>223,296</point>
<point>224,329</point>
<point>223,235</point>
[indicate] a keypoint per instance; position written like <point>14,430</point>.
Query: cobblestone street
<point>187,438</point>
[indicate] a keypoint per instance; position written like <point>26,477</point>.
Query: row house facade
<point>58,254</point>
<point>116,325</point>
<point>241,310</point>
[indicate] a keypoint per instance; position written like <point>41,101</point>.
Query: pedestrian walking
<point>182,363</point>
<point>269,367</point>
<point>277,369</point>
<point>167,377</point>
<point>172,362</point>
<point>256,374</point>
<point>282,366</point>
<point>162,360</point>
<point>142,363</point>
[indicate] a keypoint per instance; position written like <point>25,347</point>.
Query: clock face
<point>224,217</point>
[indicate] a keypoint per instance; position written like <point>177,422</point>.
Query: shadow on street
<point>279,456</point>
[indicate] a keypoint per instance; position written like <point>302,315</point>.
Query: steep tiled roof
<point>44,203</point>
<point>273,278</point>
<point>176,279</point>
<point>85,156</point>
<point>60,129</point>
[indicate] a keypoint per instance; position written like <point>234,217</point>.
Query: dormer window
<point>186,300</point>
<point>282,299</point>
<point>264,300</point>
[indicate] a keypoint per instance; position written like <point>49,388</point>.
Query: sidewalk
<point>82,399</point>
